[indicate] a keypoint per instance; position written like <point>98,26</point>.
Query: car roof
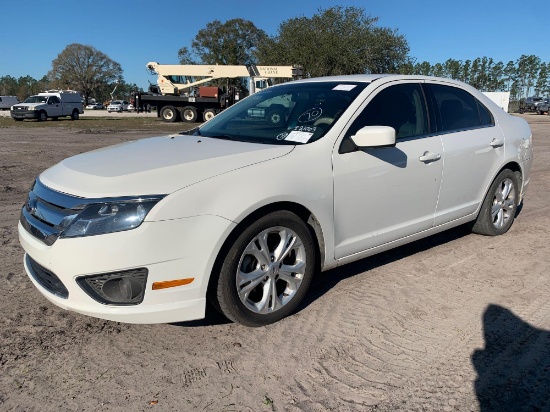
<point>369,78</point>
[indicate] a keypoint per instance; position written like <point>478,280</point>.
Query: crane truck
<point>180,92</point>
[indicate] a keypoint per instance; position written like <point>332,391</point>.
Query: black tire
<point>189,114</point>
<point>225,292</point>
<point>42,116</point>
<point>276,117</point>
<point>498,211</point>
<point>17,120</point>
<point>169,114</point>
<point>208,114</point>
<point>75,115</point>
<point>55,118</point>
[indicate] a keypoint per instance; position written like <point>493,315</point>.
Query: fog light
<point>116,288</point>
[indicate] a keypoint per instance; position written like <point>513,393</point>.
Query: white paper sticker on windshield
<point>346,87</point>
<point>300,137</point>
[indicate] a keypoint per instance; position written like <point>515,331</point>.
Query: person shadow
<point>513,370</point>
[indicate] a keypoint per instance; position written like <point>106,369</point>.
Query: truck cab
<point>50,104</point>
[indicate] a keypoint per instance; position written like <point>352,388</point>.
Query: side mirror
<point>374,136</point>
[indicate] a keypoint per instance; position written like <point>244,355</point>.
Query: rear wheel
<point>208,114</point>
<point>267,270</point>
<point>75,115</point>
<point>499,207</point>
<point>169,114</point>
<point>189,114</point>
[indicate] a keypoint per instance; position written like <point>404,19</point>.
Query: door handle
<point>497,143</point>
<point>429,157</point>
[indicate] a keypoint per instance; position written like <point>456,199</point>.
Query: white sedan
<point>94,106</point>
<point>118,106</point>
<point>244,211</point>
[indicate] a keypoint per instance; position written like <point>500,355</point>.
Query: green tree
<point>233,42</point>
<point>337,40</point>
<point>83,68</point>
<point>9,86</point>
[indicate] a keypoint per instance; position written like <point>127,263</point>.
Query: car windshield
<point>36,99</point>
<point>292,113</point>
<point>116,102</point>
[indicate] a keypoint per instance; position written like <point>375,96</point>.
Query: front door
<point>385,194</point>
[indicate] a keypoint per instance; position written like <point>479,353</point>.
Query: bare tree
<point>83,68</point>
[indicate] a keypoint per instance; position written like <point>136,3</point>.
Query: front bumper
<point>176,249</point>
<point>24,114</point>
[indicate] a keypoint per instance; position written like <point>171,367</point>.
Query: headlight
<point>98,219</point>
<point>31,108</point>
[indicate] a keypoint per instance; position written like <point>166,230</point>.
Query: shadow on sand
<point>513,370</point>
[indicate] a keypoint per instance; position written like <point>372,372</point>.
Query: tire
<point>189,114</point>
<point>55,118</point>
<point>499,206</point>
<point>42,116</point>
<point>276,117</point>
<point>17,120</point>
<point>169,114</point>
<point>208,114</point>
<point>108,111</point>
<point>256,285</point>
<point>75,115</point>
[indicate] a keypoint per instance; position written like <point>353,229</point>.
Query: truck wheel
<point>42,116</point>
<point>276,117</point>
<point>75,115</point>
<point>189,114</point>
<point>17,120</point>
<point>169,114</point>
<point>208,114</point>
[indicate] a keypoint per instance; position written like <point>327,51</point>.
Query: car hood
<point>158,165</point>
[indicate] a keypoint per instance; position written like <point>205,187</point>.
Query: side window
<point>485,115</point>
<point>400,106</point>
<point>457,108</point>
<point>53,100</point>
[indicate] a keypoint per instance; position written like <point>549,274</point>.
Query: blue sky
<point>134,32</point>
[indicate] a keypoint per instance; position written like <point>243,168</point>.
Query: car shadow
<point>323,282</point>
<point>513,370</point>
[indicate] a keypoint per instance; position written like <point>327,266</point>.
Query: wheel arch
<point>299,210</point>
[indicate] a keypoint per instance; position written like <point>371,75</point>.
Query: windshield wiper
<point>191,132</point>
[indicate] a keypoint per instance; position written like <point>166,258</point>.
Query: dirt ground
<point>456,322</point>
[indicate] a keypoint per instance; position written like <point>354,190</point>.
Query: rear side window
<point>457,109</point>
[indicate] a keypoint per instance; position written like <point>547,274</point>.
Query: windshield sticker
<point>309,129</point>
<point>310,115</point>
<point>282,136</point>
<point>300,137</point>
<point>345,87</point>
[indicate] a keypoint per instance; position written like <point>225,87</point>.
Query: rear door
<point>473,146</point>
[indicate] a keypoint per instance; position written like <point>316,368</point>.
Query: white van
<point>7,101</point>
<point>52,103</point>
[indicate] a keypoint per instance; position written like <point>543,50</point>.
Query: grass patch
<point>94,125</point>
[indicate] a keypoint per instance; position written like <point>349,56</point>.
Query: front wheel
<point>42,116</point>
<point>267,270</point>
<point>499,207</point>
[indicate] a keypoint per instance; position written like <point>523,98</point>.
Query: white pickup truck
<point>50,104</point>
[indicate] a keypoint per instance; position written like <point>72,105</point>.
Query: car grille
<point>48,280</point>
<point>44,211</point>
